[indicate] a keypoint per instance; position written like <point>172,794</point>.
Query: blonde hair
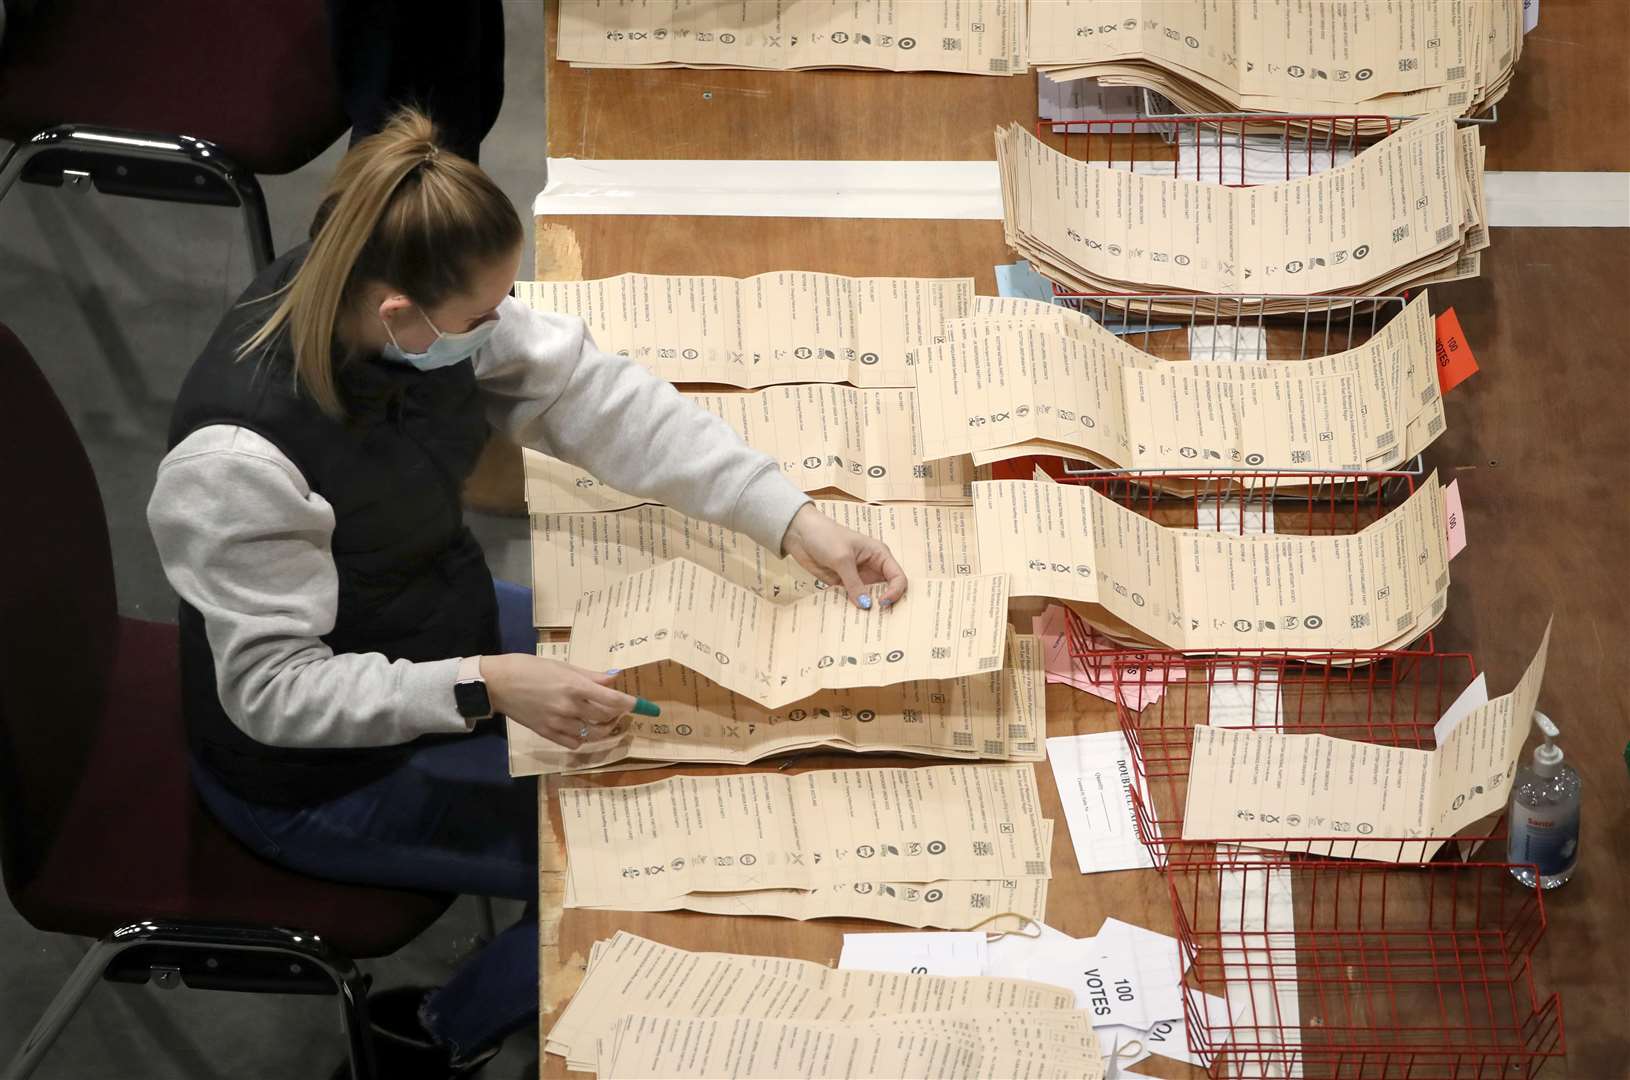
<point>401,211</point>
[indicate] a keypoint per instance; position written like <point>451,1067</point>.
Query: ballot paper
<point>1377,588</point>
<point>952,1047</point>
<point>1059,383</point>
<point>777,654</point>
<point>1403,212</point>
<point>577,553</point>
<point>977,37</point>
<point>784,327</point>
<point>995,715</point>
<point>863,444</point>
<point>1270,790</point>
<point>628,975</point>
<point>630,846</point>
<point>1281,56</point>
<point>945,952</point>
<point>1007,904</point>
<point>1095,775</point>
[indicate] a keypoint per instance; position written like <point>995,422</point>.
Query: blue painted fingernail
<point>887,602</point>
<point>866,602</point>
<point>615,671</point>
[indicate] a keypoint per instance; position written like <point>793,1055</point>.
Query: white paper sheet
<point>949,952</point>
<point>1095,774</point>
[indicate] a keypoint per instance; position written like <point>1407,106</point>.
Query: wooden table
<point>1538,439</point>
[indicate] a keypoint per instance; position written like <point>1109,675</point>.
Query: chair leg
<point>354,1016</point>
<point>257,222</point>
<point>62,1008</point>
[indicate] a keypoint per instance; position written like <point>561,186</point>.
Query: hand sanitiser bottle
<point>1544,822</point>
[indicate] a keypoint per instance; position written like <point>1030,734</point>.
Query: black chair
<point>101,833</point>
<point>183,101</point>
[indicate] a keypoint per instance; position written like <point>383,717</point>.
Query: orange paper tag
<point>1455,359</point>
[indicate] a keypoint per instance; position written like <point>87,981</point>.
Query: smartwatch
<point>470,691</point>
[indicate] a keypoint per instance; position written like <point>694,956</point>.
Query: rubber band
<point>1026,926</point>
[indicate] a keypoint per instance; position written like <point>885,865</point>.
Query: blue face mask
<point>446,350</point>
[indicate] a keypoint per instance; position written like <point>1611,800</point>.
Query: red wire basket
<point>1361,971</point>
<point>1385,698</point>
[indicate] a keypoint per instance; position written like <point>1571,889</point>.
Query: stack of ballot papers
<point>1021,378</point>
<point>977,37</point>
<point>997,715</point>
<point>1285,56</point>
<point>952,846</point>
<point>1381,587</point>
<point>645,1009</point>
<point>789,326</point>
<point>1403,213</point>
<point>1350,799</point>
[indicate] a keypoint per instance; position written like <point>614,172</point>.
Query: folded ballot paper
<point>1381,587</point>
<point>1276,56</point>
<point>776,654</point>
<point>949,846</point>
<point>1323,795</point>
<point>1019,378</point>
<point>1403,213</point>
<point>645,1009</point>
<point>974,37</point>
<point>998,715</point>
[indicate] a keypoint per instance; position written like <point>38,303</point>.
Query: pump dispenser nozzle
<point>1548,755</point>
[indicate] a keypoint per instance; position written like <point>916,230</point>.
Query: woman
<point>340,645</point>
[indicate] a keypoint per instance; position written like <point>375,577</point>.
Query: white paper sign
<point>1094,774</point>
<point>951,952</point>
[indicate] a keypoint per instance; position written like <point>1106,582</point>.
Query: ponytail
<point>402,211</point>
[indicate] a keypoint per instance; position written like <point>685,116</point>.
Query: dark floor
<point>114,298</point>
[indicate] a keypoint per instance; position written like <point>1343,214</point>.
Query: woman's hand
<point>564,704</point>
<point>843,557</point>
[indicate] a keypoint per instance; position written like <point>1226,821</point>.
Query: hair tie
<point>432,154</point>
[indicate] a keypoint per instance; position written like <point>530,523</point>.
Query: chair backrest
<point>58,612</point>
<point>255,77</point>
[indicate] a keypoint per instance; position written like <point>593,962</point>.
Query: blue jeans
<point>450,819</point>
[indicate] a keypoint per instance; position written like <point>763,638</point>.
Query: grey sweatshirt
<point>245,540</point>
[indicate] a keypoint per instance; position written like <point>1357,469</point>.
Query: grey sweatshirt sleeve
<point>245,541</point>
<point>550,388</point>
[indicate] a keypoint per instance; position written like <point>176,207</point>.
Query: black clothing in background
<point>444,56</point>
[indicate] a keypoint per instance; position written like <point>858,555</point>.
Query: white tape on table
<point>968,190</point>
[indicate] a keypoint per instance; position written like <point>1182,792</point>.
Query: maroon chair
<point>183,101</point>
<point>101,833</point>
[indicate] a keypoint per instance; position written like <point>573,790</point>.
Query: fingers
<point>881,559</point>
<point>848,572</point>
<point>603,704</point>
